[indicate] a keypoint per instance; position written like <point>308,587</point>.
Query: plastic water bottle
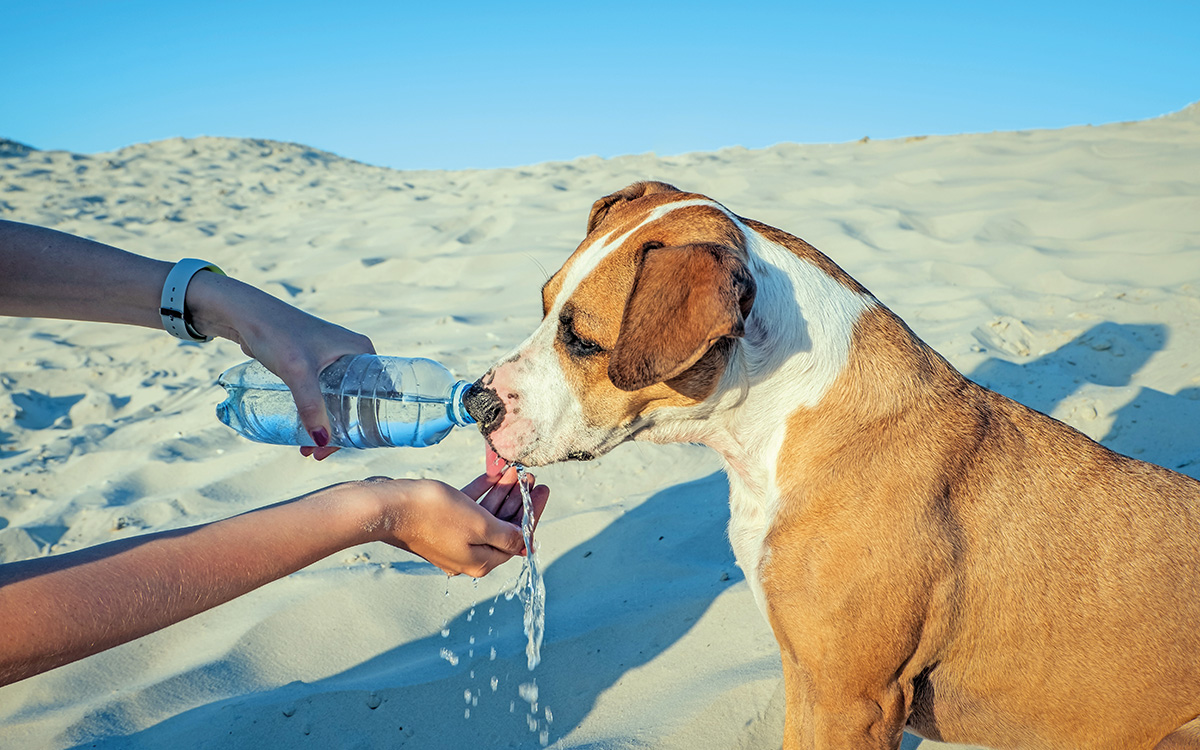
<point>373,402</point>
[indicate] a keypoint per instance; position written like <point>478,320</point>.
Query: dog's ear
<point>601,207</point>
<point>684,299</point>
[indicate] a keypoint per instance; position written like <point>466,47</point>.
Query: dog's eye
<point>576,345</point>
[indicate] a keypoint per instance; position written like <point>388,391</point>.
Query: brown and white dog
<point>930,554</point>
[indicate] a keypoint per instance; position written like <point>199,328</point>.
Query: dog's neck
<point>797,343</point>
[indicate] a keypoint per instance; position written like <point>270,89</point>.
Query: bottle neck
<point>458,406</point>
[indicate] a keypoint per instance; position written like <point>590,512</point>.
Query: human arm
<point>65,607</point>
<point>48,274</point>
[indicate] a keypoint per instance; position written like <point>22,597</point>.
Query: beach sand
<point>1061,268</point>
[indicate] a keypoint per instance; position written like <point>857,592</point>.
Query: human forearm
<point>62,608</point>
<point>55,610</point>
<point>48,274</point>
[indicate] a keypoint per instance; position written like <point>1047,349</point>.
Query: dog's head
<point>641,317</point>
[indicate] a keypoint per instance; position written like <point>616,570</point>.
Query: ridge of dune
<point>280,153</point>
<point>1059,267</point>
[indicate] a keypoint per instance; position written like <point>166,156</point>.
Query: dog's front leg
<point>874,722</point>
<point>823,717</point>
<point>797,716</point>
<point>853,632</point>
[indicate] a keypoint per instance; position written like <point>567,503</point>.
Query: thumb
<point>503,536</point>
<point>487,559</point>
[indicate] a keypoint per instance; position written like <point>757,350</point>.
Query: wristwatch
<point>173,310</point>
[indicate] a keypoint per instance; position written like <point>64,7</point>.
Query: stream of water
<point>530,586</point>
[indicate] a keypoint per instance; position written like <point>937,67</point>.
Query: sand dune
<point>1061,268</point>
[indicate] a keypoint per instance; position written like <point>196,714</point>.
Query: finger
<point>323,453</point>
<point>479,485</point>
<point>540,496</point>
<point>513,509</point>
<point>495,498</point>
<point>504,537</point>
<point>311,407</point>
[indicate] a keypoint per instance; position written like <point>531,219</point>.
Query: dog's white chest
<point>751,514</point>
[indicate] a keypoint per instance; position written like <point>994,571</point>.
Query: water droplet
<point>528,692</point>
<point>495,684</point>
<point>445,632</point>
<point>467,696</point>
<point>466,713</point>
<point>450,656</point>
<point>493,656</point>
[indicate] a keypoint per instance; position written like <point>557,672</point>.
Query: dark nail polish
<point>321,437</point>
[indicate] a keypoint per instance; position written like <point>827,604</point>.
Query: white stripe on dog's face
<point>580,267</point>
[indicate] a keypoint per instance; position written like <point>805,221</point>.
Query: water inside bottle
<point>375,415</point>
<point>388,419</point>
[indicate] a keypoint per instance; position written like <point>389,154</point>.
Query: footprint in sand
<point>38,411</point>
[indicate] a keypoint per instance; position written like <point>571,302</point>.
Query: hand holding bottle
<point>289,342</point>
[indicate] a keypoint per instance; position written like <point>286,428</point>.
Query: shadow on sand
<point>411,697</point>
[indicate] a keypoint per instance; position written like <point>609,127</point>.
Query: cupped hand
<point>455,530</point>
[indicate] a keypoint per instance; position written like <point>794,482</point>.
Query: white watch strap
<point>174,294</point>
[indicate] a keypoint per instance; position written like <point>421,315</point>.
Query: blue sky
<point>474,85</point>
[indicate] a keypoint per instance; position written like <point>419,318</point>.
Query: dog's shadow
<point>1154,426</point>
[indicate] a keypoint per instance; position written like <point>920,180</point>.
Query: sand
<point>1061,268</point>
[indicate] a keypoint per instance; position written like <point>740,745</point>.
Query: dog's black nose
<point>484,406</point>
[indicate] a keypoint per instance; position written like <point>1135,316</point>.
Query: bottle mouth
<point>458,404</point>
